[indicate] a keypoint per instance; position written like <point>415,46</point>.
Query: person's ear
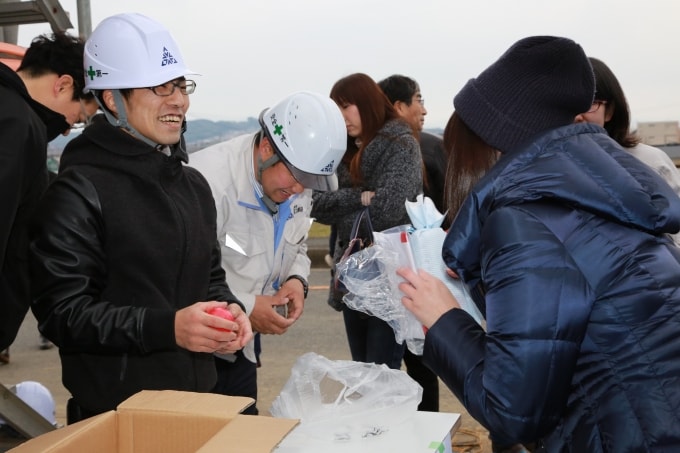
<point>400,107</point>
<point>266,150</point>
<point>64,85</point>
<point>107,97</point>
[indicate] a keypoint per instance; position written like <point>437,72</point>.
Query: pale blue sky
<point>253,52</point>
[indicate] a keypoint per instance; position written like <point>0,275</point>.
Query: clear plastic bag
<point>370,274</point>
<point>346,401</point>
<point>371,279</point>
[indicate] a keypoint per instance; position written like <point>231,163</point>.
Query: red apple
<point>222,313</point>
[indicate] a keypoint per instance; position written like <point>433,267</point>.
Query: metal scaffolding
<point>14,13</point>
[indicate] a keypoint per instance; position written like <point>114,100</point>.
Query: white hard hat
<point>38,397</point>
<point>131,50</point>
<point>309,134</point>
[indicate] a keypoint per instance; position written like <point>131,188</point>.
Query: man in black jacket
<point>123,251</point>
<point>43,99</point>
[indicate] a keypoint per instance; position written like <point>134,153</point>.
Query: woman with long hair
<point>382,169</point>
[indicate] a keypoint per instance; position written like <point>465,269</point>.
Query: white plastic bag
<point>427,240</point>
<point>346,401</point>
<point>370,275</point>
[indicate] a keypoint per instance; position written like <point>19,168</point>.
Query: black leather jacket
<point>124,237</point>
<point>26,127</point>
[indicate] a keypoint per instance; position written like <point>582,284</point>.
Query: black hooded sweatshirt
<point>124,238</point>
<point>25,128</point>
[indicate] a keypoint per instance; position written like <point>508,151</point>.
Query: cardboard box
<point>168,422</point>
<point>179,422</point>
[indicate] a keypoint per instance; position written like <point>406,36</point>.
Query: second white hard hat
<point>309,134</point>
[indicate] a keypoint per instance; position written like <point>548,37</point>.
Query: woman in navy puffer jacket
<point>566,236</point>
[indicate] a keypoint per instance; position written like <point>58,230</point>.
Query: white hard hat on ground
<point>38,397</point>
<point>309,134</point>
<point>131,50</point>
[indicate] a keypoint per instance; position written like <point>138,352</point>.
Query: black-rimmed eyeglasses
<point>168,88</point>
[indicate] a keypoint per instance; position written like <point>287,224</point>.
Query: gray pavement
<point>317,248</point>
<point>319,330</point>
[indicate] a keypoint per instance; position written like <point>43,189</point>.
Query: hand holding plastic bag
<point>373,285</point>
<point>346,401</point>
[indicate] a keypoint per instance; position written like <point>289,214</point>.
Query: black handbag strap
<point>356,242</point>
<point>364,216</point>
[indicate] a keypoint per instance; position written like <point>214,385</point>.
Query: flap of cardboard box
<point>160,421</point>
<point>186,403</point>
<point>168,422</point>
<point>98,434</point>
<point>249,434</point>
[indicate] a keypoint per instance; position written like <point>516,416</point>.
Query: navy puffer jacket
<point>567,238</point>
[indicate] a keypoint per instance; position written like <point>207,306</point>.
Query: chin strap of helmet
<point>262,166</point>
<point>121,121</point>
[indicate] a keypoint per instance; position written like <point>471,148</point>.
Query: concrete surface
<point>320,330</point>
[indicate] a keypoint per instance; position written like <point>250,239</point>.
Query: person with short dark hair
<point>566,238</point>
<point>125,265</point>
<point>404,94</point>
<point>41,100</point>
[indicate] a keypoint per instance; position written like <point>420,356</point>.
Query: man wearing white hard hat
<point>123,253</point>
<point>262,185</point>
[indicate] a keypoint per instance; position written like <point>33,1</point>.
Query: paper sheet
<point>427,252</point>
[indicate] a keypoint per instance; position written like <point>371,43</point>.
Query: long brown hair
<point>469,158</point>
<point>374,110</point>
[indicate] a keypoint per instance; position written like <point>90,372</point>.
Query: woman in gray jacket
<point>382,166</point>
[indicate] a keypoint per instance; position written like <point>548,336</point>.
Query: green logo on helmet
<point>92,73</point>
<point>278,129</point>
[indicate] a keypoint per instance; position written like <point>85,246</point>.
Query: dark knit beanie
<point>540,83</point>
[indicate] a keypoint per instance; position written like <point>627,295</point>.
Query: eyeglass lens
<point>168,88</point>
